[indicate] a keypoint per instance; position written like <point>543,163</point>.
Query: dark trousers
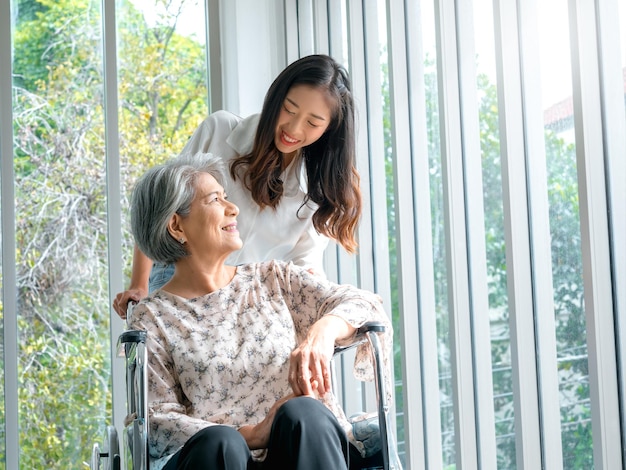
<point>305,436</point>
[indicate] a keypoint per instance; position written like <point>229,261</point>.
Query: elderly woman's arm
<point>327,314</point>
<point>170,425</point>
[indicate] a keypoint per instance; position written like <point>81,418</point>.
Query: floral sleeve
<point>170,426</point>
<point>310,297</point>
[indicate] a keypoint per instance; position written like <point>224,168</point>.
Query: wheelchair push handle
<point>129,337</point>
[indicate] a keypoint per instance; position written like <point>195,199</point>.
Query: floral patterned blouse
<point>223,358</point>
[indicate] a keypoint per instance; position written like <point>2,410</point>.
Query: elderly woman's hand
<point>309,368</point>
<point>258,436</point>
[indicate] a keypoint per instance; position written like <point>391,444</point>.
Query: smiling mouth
<point>288,140</point>
<point>230,228</point>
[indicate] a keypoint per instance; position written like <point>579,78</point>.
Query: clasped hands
<point>309,366</point>
<point>309,372</point>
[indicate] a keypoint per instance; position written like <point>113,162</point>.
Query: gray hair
<point>163,191</point>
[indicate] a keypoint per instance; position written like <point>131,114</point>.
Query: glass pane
<point>61,221</point>
<point>162,85</point>
<point>438,235</point>
<point>2,391</point>
<point>565,234</point>
<point>622,29</point>
<point>391,229</point>
<point>2,351</point>
<point>494,235</point>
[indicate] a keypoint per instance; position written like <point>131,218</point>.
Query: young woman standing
<point>292,172</point>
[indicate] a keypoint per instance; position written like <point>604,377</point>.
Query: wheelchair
<point>132,346</point>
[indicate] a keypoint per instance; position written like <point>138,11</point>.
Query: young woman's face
<point>304,117</point>
<point>211,226</point>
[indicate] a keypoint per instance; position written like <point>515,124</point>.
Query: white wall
<point>253,51</point>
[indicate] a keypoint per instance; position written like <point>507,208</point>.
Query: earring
<point>181,241</point>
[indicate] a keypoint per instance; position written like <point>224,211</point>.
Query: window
<point>490,145</point>
<point>63,166</point>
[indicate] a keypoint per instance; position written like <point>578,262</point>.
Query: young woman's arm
<point>138,288</point>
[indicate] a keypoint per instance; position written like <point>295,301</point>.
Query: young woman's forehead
<point>313,97</point>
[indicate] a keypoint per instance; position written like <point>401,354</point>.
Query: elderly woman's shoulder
<point>263,266</point>
<point>273,267</point>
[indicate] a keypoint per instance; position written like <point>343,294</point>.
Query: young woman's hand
<point>138,283</point>
<point>120,304</point>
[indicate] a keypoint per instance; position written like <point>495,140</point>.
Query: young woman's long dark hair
<point>333,181</point>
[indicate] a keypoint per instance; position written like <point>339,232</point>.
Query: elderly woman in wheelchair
<point>239,356</point>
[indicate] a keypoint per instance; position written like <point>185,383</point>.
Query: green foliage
<point>161,105</point>
<point>569,303</point>
<point>61,33</point>
<point>60,392</point>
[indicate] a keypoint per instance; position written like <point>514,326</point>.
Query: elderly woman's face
<point>211,226</point>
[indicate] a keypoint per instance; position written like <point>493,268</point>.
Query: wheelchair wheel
<point>107,458</point>
<point>95,457</point>
<point>113,445</point>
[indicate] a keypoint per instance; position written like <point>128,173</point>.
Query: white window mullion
<point>332,264</point>
<point>517,237</point>
<point>477,267</point>
<point>459,303</point>
<point>9,271</point>
<point>114,211</point>
<point>291,31</point>
<point>352,400</point>
<point>320,27</point>
<point>427,320</point>
<point>408,286</point>
<point>337,30</point>
<point>306,31</point>
<point>590,153</point>
<point>611,77</point>
<point>343,264</point>
<point>369,124</point>
<point>541,255</point>
<point>373,259</point>
<point>362,41</point>
<point>213,55</point>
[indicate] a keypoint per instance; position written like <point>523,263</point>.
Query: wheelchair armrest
<point>361,335</point>
<point>369,332</point>
<point>132,346</point>
<point>376,326</point>
<point>128,339</point>
<point>132,336</point>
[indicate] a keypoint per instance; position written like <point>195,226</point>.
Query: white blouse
<point>223,358</point>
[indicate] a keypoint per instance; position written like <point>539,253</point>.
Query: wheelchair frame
<point>132,345</point>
